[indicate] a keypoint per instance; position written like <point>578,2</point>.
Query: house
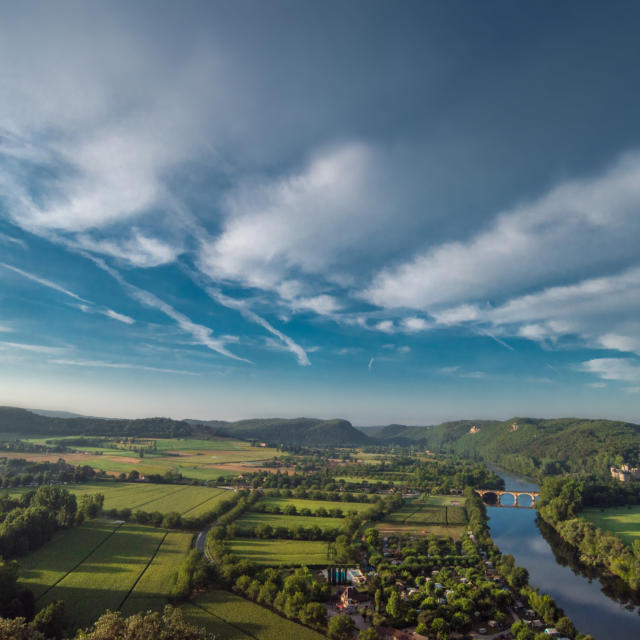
<point>351,596</point>
<point>625,473</point>
<point>355,576</point>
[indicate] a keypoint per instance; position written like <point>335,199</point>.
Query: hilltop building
<point>625,473</point>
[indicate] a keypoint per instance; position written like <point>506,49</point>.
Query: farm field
<point>623,522</point>
<point>277,552</point>
<point>165,498</point>
<point>314,505</point>
<point>234,618</point>
<point>374,480</point>
<point>441,515</point>
<point>151,589</point>
<point>42,569</point>
<point>100,565</point>
<point>194,458</point>
<point>253,519</point>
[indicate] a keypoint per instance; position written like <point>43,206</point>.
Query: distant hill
<point>14,420</point>
<point>526,445</point>
<point>529,445</point>
<point>293,431</point>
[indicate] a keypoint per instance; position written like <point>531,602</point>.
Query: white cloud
<point>404,349</point>
<point>620,369</point>
<point>414,324</point>
<point>371,361</point>
<point>138,250</point>
<point>100,364</point>
<point>33,348</point>
<point>241,306</point>
<point>386,326</point>
<point>11,240</point>
<point>120,317</point>
<point>201,334</point>
<point>44,282</point>
<point>564,232</point>
<point>448,371</point>
<point>620,343</point>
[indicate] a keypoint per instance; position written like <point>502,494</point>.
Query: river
<point>583,599</point>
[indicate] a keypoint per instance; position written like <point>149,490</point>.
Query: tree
<point>52,621</point>
<point>18,629</point>
<point>149,626</point>
<point>314,613</point>
<point>340,627</point>
<point>368,634</point>
<point>394,606</point>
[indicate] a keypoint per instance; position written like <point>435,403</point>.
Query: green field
<point>252,519</point>
<point>276,552</point>
<point>231,617</point>
<point>151,589</point>
<point>102,565</point>
<point>165,498</point>
<point>441,515</point>
<point>623,522</point>
<point>314,505</point>
<point>194,458</point>
<point>42,569</point>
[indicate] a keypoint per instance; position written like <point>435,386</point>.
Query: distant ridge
<point>292,431</point>
<point>526,445</point>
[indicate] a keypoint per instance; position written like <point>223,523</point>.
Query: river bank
<point>586,599</point>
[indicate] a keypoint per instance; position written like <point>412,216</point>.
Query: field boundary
<point>57,582</point>
<point>201,503</point>
<point>166,495</point>
<point>133,586</point>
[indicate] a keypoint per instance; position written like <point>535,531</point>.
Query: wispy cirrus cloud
<point>83,304</point>
<point>201,334</point>
<point>33,348</point>
<point>103,364</point>
<point>243,308</point>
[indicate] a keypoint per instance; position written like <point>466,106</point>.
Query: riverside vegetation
<point>276,516</point>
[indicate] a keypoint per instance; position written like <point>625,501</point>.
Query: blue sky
<point>388,212</point>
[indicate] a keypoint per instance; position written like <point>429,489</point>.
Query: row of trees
<point>560,505</point>
<point>175,520</point>
<point>39,515</point>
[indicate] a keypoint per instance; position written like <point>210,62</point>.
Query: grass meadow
<point>165,498</point>
<point>623,522</point>
<point>194,458</point>
<point>280,552</point>
<point>253,519</point>
<point>231,617</point>
<point>104,565</point>
<point>441,515</point>
<point>314,505</point>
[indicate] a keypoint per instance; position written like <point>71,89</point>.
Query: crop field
<point>101,565</point>
<point>41,570</point>
<point>277,552</point>
<point>151,589</point>
<point>623,522</point>
<point>194,458</point>
<point>373,480</point>
<point>231,617</point>
<point>165,498</point>
<point>253,519</point>
<point>314,505</point>
<point>441,515</point>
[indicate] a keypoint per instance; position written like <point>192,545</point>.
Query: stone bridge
<point>516,494</point>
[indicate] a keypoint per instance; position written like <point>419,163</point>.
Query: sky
<point>383,211</point>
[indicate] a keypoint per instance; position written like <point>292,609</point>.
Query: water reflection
<point>596,605</point>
